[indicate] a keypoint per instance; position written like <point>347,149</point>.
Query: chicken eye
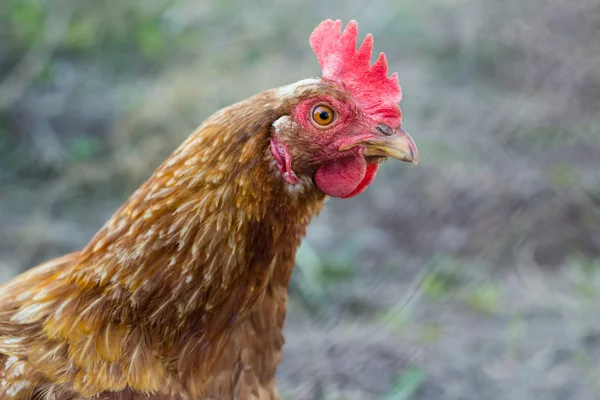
<point>322,115</point>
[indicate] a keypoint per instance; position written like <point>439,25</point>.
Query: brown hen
<point>182,294</point>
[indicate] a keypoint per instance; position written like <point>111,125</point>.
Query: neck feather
<point>214,219</point>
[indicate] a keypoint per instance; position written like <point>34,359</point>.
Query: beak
<point>395,144</point>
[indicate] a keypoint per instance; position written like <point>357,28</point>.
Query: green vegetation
<point>407,385</point>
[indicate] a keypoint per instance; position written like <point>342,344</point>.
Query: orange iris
<point>323,115</point>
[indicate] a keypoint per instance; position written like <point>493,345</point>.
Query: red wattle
<point>368,178</point>
<point>345,177</point>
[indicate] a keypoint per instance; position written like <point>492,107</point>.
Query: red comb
<point>340,61</point>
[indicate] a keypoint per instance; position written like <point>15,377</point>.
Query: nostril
<point>384,130</point>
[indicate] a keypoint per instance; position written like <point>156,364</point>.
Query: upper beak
<point>395,144</point>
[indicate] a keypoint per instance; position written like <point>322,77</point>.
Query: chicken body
<point>182,294</point>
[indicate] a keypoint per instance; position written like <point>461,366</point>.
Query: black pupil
<point>324,115</point>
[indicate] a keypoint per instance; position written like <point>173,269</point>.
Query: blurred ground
<point>475,275</point>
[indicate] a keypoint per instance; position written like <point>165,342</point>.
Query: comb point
<point>365,50</point>
<point>380,66</point>
<point>350,35</point>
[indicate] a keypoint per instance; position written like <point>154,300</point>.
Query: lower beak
<point>398,145</point>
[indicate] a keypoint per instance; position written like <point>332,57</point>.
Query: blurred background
<point>475,275</point>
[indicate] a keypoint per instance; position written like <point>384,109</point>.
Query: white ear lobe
<point>284,123</point>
